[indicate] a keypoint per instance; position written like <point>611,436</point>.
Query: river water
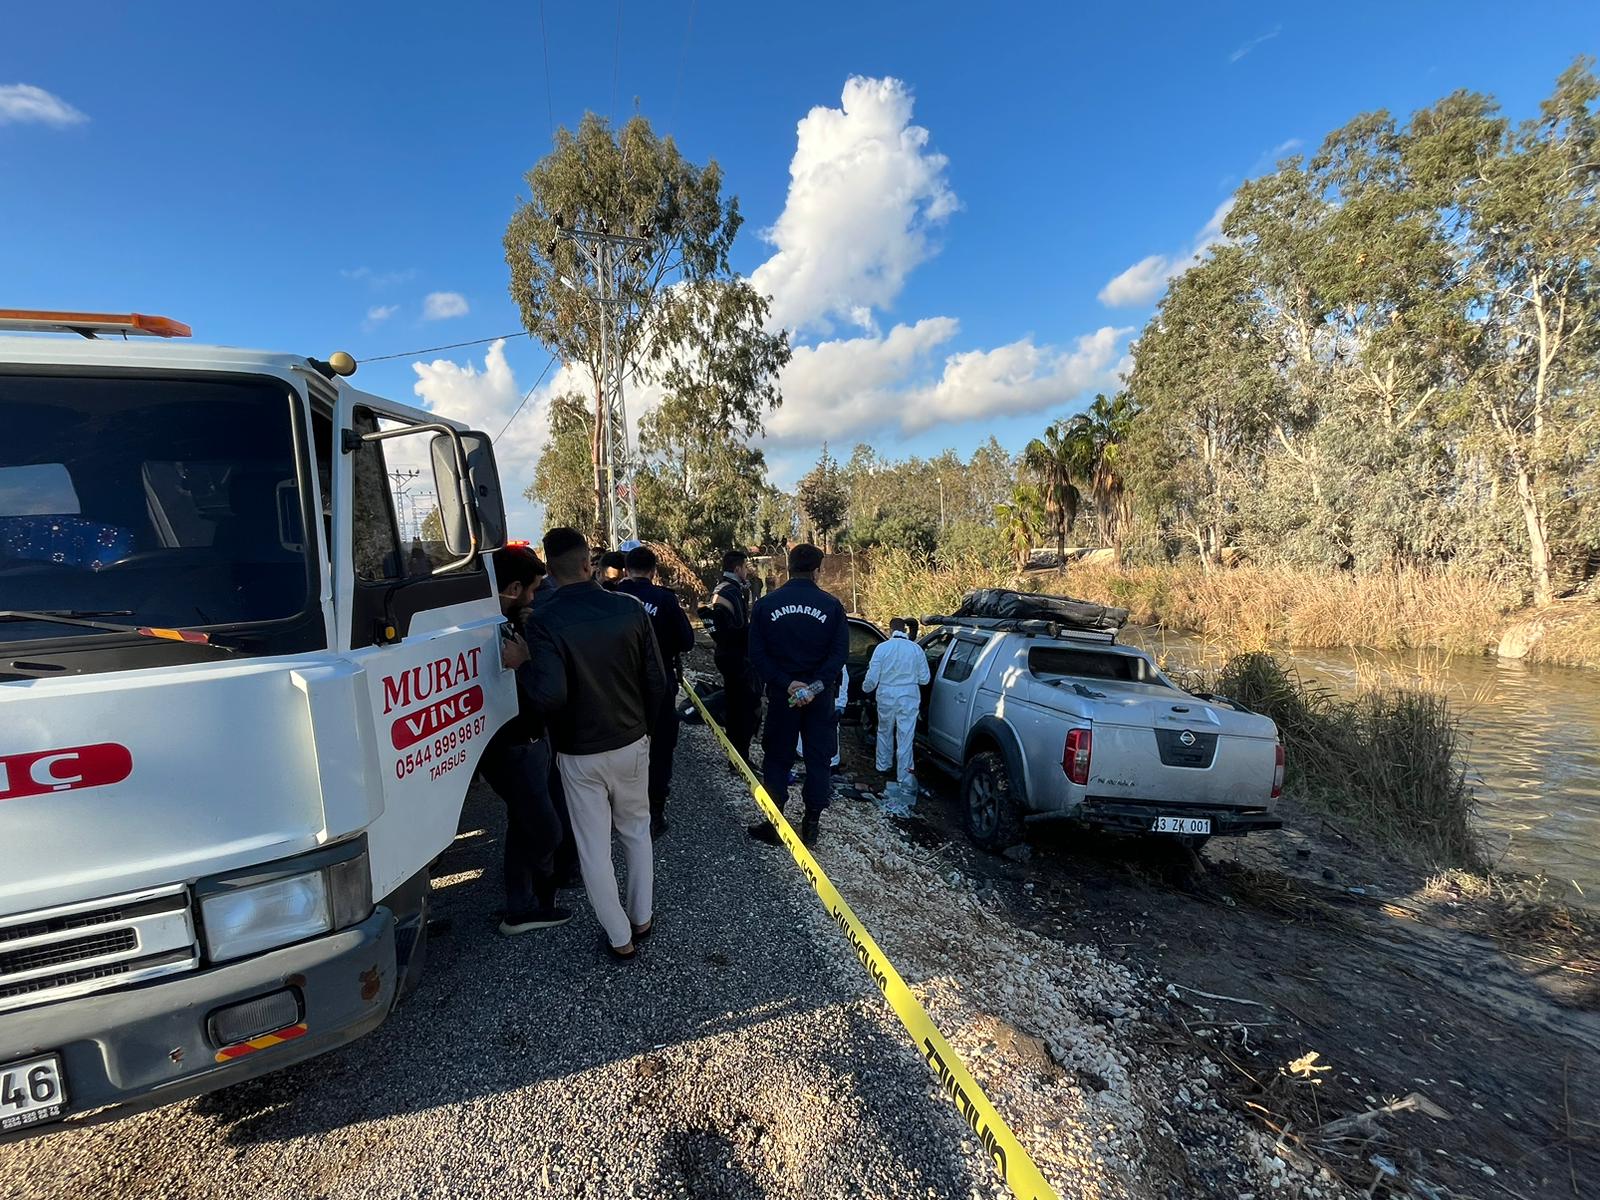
<point>1532,740</point>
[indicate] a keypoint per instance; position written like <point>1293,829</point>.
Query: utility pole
<point>940,478</point>
<point>611,256</point>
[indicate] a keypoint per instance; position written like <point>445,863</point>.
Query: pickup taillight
<point>1277,773</point>
<point>1075,755</point>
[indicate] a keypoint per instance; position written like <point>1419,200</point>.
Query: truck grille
<point>81,948</point>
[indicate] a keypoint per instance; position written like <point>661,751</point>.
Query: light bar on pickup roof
<point>90,324</point>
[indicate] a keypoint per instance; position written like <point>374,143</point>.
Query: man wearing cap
<point>675,638</point>
<point>799,638</point>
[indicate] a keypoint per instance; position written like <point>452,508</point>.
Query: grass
<point>1386,763</point>
<point>904,585</point>
<point>1253,608</point>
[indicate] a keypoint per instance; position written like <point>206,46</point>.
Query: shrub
<point>1387,761</point>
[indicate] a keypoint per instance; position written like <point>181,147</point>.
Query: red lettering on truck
<point>416,684</point>
<point>45,771</point>
<point>413,727</point>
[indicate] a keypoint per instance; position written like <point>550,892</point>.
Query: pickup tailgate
<point>1181,752</point>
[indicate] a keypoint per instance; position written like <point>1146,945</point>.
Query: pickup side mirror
<point>472,500</point>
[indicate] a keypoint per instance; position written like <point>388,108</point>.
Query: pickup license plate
<point>32,1092</point>
<point>1187,825</point>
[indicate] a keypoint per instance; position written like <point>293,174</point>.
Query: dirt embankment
<point>1400,1035</point>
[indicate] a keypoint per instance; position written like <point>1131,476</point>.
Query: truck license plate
<point>32,1092</point>
<point>1188,825</point>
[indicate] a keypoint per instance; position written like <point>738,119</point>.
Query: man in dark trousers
<point>730,631</point>
<point>674,638</point>
<point>799,638</point>
<point>594,671</point>
<point>517,765</point>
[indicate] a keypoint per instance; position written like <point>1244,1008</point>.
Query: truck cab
<point>249,659</point>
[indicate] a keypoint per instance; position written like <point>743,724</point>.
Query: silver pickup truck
<point>1045,722</point>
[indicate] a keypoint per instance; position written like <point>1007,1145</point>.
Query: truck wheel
<point>993,816</point>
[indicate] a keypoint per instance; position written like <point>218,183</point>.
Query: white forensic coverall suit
<point>896,674</point>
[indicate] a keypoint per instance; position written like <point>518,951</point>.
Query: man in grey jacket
<point>594,669</point>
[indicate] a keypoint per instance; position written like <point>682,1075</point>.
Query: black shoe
<point>619,954</point>
<point>658,827</point>
<point>766,832</point>
<point>808,831</point>
<point>534,918</point>
<point>640,932</point>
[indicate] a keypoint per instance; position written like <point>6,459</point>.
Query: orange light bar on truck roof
<point>90,324</point>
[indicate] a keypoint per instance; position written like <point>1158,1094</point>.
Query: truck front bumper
<point>122,1051</point>
<point>1139,816</point>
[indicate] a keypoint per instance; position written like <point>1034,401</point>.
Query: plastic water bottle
<point>805,695</point>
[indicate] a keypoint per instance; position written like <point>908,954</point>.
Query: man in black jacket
<point>730,631</point>
<point>799,638</point>
<point>516,764</point>
<point>674,638</point>
<point>594,670</point>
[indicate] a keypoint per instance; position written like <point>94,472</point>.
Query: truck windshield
<point>170,502</point>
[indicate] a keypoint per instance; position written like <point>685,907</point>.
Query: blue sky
<point>303,177</point>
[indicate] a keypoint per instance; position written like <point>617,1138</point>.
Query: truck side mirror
<point>481,491</point>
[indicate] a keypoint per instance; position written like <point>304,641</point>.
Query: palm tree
<point>1097,437</point>
<point>1052,460</point>
<point>1019,521</point>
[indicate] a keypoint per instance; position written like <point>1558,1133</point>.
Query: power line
<point>525,397</point>
<point>549,106</point>
<point>451,346</point>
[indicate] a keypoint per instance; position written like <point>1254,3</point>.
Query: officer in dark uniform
<point>730,631</point>
<point>675,637</point>
<point>799,638</point>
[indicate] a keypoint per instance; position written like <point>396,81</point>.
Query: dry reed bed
<point>1255,608</point>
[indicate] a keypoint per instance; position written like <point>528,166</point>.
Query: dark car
<point>865,637</point>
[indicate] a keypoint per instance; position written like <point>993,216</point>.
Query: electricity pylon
<point>610,257</point>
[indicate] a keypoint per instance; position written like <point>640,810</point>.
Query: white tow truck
<point>249,659</point>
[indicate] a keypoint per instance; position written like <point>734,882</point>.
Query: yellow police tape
<point>1004,1150</point>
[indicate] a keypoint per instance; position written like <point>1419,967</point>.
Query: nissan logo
<point>1186,738</point>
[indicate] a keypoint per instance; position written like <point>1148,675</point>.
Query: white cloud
<point>21,103</point>
<point>1014,379</point>
<point>865,195</point>
<point>378,280</point>
<point>1146,279</point>
<point>853,386</point>
<point>1139,284</point>
<point>379,313</point>
<point>848,385</point>
<point>441,306</point>
<point>1254,42</point>
<point>1287,146</point>
<point>489,397</point>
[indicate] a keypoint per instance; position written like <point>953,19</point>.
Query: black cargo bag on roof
<point>1005,605</point>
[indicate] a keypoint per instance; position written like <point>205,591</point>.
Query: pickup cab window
<point>958,667</point>
<point>1055,662</point>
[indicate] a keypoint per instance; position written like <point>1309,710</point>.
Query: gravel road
<point>740,1056</point>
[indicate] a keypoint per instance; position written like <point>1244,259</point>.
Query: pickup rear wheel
<point>993,816</point>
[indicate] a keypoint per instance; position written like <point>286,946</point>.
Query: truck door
<point>419,618</point>
<point>950,708</point>
<point>934,646</point>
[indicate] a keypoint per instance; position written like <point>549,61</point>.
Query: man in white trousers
<point>896,674</point>
<point>594,669</point>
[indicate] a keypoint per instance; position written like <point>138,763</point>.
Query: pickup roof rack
<point>1028,628</point>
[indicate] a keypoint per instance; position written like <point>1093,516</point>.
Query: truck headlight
<point>248,920</point>
<point>253,917</point>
